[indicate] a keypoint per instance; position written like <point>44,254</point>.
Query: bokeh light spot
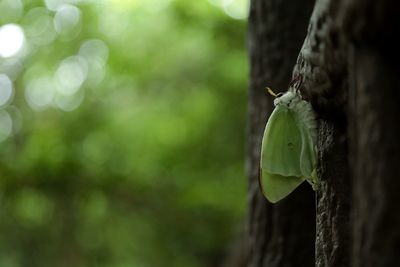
<point>216,2</point>
<point>38,26</point>
<point>94,49</point>
<point>6,89</point>
<point>96,54</point>
<point>67,21</point>
<point>11,67</point>
<point>54,4</point>
<point>69,102</point>
<point>12,10</point>
<point>32,208</point>
<point>39,92</point>
<point>5,125</point>
<point>237,9</point>
<point>11,40</point>
<point>71,74</point>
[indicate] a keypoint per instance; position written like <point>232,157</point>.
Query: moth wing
<point>282,144</point>
<point>276,187</point>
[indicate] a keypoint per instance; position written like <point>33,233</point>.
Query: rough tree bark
<point>374,63</point>
<point>349,63</point>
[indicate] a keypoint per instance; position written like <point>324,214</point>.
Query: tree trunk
<point>281,234</point>
<point>372,29</point>
<point>349,65</point>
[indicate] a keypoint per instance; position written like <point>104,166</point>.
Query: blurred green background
<point>122,132</point>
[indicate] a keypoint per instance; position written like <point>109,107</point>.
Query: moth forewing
<point>281,147</point>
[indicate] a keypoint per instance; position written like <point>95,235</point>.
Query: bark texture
<point>376,154</point>
<point>374,64</point>
<point>281,234</point>
<point>349,64</point>
<point>322,64</point>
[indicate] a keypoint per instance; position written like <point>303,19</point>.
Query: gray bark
<point>349,64</point>
<point>322,64</point>
<point>372,28</point>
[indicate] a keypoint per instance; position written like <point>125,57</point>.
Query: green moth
<point>288,152</point>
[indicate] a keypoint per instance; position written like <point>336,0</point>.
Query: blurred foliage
<point>122,132</point>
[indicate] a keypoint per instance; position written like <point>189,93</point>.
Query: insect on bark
<point>288,151</point>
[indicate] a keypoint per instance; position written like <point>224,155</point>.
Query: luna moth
<point>288,151</point>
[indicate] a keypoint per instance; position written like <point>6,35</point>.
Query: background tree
<point>349,64</point>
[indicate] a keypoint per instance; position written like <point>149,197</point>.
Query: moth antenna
<point>296,82</point>
<point>269,90</point>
